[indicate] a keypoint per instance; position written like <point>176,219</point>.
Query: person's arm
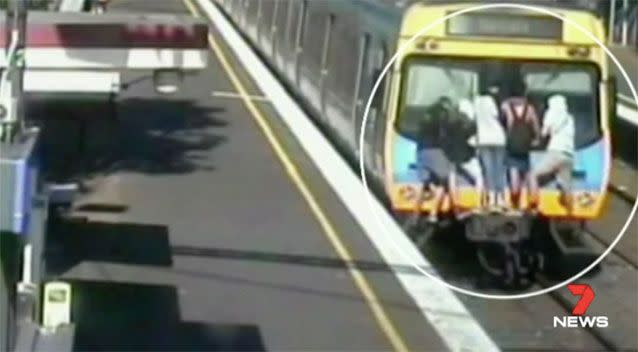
<point>536,125</point>
<point>546,130</point>
<point>506,115</point>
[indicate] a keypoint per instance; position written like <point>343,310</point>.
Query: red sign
<point>586,297</point>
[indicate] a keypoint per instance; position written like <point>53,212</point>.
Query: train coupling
<point>506,227</point>
<point>504,246</point>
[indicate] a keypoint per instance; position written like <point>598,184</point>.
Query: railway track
<point>538,329</point>
<point>603,241</point>
<point>599,334</point>
<point>622,193</point>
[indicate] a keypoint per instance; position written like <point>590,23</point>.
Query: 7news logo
<point>578,318</point>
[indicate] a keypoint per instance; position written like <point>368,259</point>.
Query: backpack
<point>521,133</point>
<point>459,128</point>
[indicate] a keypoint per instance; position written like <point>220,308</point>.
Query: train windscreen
<point>427,80</point>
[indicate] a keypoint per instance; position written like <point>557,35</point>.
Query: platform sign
<point>56,308</point>
<point>18,172</point>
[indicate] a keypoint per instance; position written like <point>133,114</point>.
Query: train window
<point>453,82</point>
<point>258,21</point>
<point>326,42</point>
<point>378,101</point>
<point>287,35</point>
<point>299,37</point>
<point>301,25</point>
<point>251,16</point>
<point>359,92</point>
<point>578,83</point>
<point>325,65</point>
<point>268,9</point>
<point>277,23</point>
<point>361,87</point>
<point>314,35</point>
<point>343,60</point>
<point>426,80</point>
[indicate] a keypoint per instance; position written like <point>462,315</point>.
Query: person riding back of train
<point>523,132</point>
<point>558,160</point>
<point>432,163</point>
<point>490,146</point>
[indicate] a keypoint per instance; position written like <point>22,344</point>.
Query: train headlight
<point>579,51</point>
<point>427,44</point>
<point>407,193</point>
<point>585,199</point>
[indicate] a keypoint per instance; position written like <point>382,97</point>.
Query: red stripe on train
<point>114,36</point>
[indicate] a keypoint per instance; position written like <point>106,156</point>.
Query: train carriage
<point>330,53</point>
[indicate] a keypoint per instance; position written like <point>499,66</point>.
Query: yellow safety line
<point>384,321</point>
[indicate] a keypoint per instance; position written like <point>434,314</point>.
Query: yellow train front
<point>330,54</point>
<point>456,60</point>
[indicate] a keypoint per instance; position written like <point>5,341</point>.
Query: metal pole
<point>612,21</point>
<point>625,21</point>
<point>17,79</point>
<point>11,78</point>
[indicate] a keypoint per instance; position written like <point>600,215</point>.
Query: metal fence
<point>623,22</point>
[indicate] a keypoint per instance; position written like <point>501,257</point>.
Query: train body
<point>330,54</point>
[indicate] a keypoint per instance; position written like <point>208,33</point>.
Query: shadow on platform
<point>78,240</point>
<point>131,317</point>
<point>141,135</point>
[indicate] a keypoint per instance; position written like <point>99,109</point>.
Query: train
<point>331,53</point>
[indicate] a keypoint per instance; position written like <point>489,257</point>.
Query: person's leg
<point>437,200</point>
<point>548,166</point>
<point>442,172</point>
<point>452,186</point>
<point>486,164</point>
<point>493,168</point>
<point>425,178</point>
<point>500,175</point>
<point>514,177</point>
<point>564,181</point>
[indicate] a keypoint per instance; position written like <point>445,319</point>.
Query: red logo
<point>586,297</point>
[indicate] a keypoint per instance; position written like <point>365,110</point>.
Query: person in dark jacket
<point>432,162</point>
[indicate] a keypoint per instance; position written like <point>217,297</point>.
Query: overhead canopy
<point>57,40</point>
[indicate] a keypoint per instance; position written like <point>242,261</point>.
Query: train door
<point>266,24</point>
<point>295,39</point>
<point>252,18</point>
<point>360,95</point>
<point>278,12</point>
<point>285,37</point>
<point>325,67</point>
<point>381,100</point>
<point>371,68</point>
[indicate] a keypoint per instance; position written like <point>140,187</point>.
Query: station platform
<point>194,237</point>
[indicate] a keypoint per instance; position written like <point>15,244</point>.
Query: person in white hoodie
<point>558,160</point>
<point>490,144</point>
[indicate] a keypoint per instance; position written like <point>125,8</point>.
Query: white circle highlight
<point>401,50</point>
